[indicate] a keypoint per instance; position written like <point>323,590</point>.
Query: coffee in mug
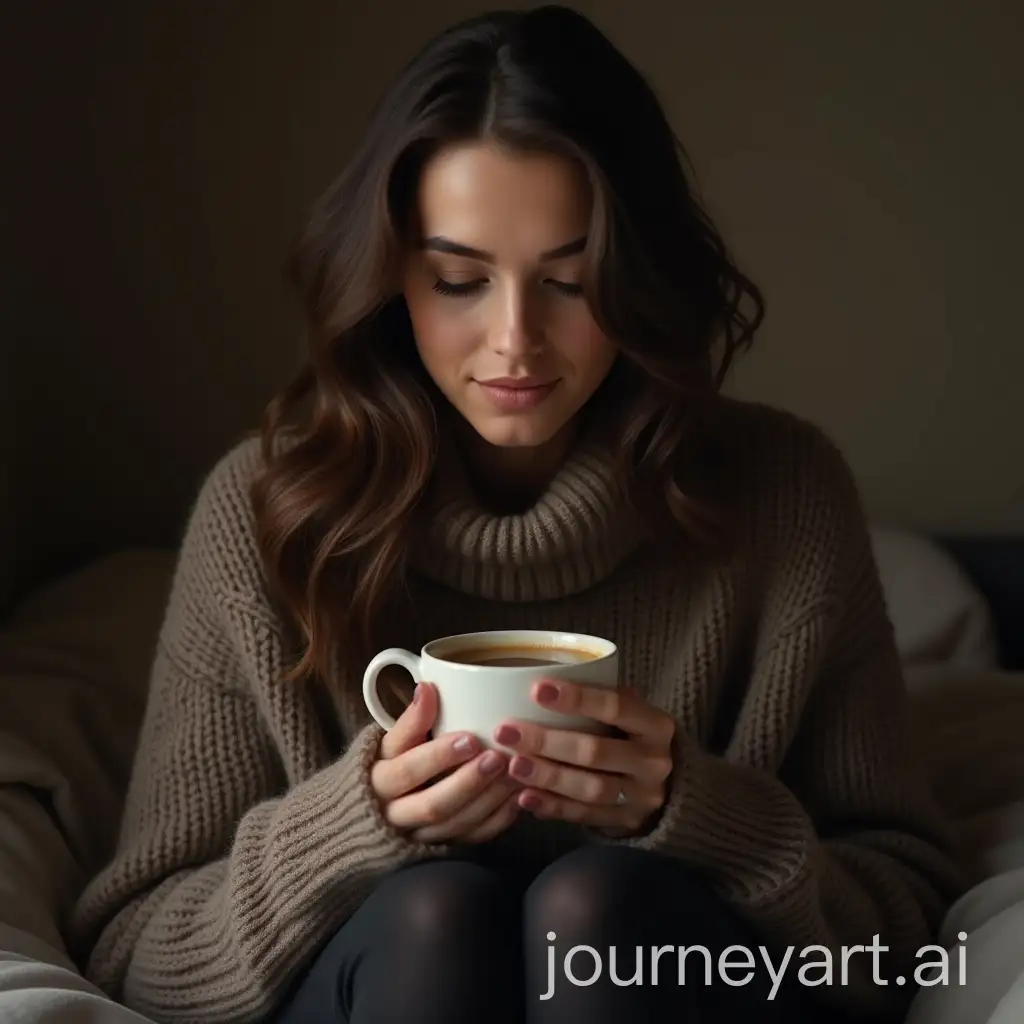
<point>513,656</point>
<point>483,679</point>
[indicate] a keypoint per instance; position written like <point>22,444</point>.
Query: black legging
<point>453,942</point>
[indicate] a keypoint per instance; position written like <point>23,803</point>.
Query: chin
<point>516,432</point>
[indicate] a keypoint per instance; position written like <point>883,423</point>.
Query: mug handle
<point>392,656</point>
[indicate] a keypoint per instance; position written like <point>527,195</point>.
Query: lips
<point>511,394</point>
<point>513,383</point>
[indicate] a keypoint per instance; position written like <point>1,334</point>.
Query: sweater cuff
<point>330,841</point>
<point>741,826</point>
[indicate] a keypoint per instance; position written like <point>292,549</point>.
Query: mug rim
<point>553,637</point>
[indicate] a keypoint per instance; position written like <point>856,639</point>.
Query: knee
<point>583,890</point>
<point>440,900</point>
<point>600,890</point>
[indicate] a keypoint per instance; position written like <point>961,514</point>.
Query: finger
<point>578,784</point>
<point>473,814</point>
<point>585,750</point>
<point>623,708</point>
<point>445,798</point>
<point>630,817</point>
<point>413,724</point>
<point>394,777</point>
<point>500,820</point>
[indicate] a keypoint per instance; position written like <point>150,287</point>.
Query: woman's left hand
<point>602,781</point>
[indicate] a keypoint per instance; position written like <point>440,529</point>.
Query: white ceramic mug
<point>477,698</point>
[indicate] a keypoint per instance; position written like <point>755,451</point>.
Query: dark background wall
<point>863,160</point>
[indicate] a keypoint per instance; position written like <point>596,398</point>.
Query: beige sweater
<point>250,831</point>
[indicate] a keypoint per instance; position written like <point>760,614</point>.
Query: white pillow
<point>994,975</point>
<point>939,615</point>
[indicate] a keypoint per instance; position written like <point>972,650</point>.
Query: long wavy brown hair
<point>349,445</point>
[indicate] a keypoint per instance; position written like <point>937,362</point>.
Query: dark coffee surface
<point>512,661</point>
<point>518,656</point>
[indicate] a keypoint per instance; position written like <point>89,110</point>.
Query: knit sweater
<point>250,830</point>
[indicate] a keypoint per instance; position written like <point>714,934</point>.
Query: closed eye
<point>457,289</point>
<point>461,289</point>
<point>566,287</point>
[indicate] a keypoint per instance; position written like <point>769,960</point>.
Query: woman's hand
<point>602,781</point>
<point>445,789</point>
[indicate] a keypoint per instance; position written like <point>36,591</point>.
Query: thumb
<point>413,724</point>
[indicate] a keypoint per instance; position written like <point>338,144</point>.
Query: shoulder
<point>220,553</point>
<point>218,611</point>
<point>774,436</point>
<point>805,534</point>
<point>235,469</point>
<point>222,522</point>
<point>785,467</point>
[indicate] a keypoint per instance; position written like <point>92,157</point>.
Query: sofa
<point>74,664</point>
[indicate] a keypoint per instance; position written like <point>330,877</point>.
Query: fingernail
<point>490,762</point>
<point>522,766</point>
<point>508,734</point>
<point>416,693</point>
<point>464,744</point>
<point>547,693</point>
<point>529,801</point>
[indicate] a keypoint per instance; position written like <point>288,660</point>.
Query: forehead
<point>512,204</point>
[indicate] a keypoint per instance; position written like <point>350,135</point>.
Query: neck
<point>510,479</point>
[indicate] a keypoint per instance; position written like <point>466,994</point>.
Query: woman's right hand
<point>448,789</point>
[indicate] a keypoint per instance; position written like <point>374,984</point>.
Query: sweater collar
<point>577,533</point>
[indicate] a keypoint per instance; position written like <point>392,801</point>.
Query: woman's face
<point>492,287</point>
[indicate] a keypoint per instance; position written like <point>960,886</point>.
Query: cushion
<point>38,982</point>
<point>35,991</point>
<point>938,614</point>
<point>970,723</point>
<point>993,972</point>
<point>74,667</point>
<point>1011,1007</point>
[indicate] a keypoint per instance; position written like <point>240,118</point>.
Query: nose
<point>515,333</point>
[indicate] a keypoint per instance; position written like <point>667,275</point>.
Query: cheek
<point>587,347</point>
<point>443,336</point>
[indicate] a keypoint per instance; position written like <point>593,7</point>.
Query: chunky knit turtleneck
<point>576,533</point>
<point>250,833</point>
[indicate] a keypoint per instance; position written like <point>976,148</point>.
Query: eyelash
<point>462,290</point>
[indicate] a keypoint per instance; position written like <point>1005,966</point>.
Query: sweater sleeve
<point>225,877</point>
<point>837,841</point>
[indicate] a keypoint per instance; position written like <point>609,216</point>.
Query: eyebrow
<point>438,243</point>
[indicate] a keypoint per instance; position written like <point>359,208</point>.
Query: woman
<point>519,323</point>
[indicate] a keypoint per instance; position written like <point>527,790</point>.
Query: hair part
<point>349,445</point>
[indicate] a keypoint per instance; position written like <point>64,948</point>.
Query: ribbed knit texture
<point>247,838</point>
